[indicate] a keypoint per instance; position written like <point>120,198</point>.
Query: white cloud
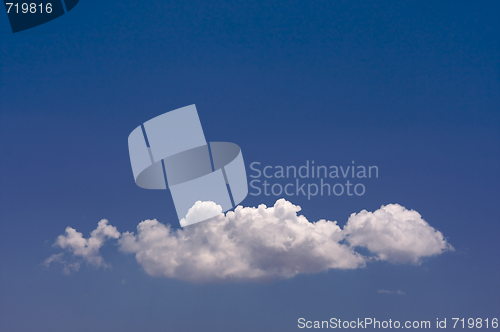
<point>398,292</point>
<point>249,243</point>
<point>262,243</point>
<point>67,267</point>
<point>86,249</point>
<point>395,234</point>
<point>201,211</point>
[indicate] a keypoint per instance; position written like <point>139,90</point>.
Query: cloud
<point>86,249</point>
<point>263,243</point>
<point>398,292</point>
<point>67,267</point>
<point>201,211</point>
<point>395,234</point>
<point>250,243</point>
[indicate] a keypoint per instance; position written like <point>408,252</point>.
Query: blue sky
<point>410,87</point>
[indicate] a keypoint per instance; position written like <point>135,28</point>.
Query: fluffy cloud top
<point>264,243</point>
<point>200,211</point>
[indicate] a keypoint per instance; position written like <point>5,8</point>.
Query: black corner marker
<point>25,15</point>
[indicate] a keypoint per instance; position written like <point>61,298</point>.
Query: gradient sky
<point>411,87</point>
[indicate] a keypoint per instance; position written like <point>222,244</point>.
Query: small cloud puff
<point>67,268</point>
<point>398,292</point>
<point>86,249</point>
<point>201,211</point>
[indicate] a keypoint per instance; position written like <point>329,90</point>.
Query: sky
<point>411,87</point>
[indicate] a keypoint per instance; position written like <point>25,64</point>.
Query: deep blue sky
<point>411,87</point>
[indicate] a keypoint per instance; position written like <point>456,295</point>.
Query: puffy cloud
<point>86,249</point>
<point>262,243</point>
<point>395,234</point>
<point>250,243</point>
<point>201,211</point>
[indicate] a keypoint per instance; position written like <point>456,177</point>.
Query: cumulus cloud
<point>395,234</point>
<point>80,247</point>
<point>249,243</point>
<point>262,243</point>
